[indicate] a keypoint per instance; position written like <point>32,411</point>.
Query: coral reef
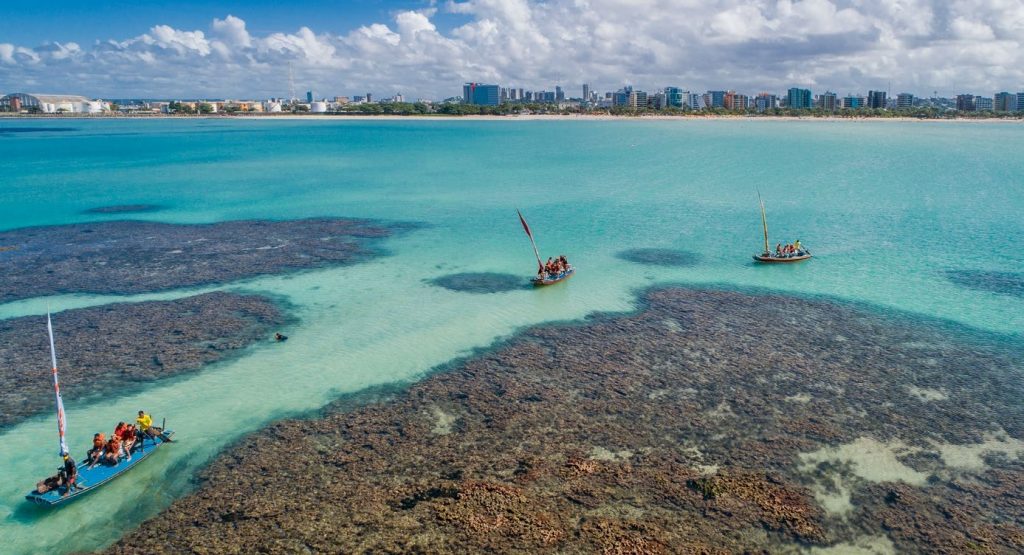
<point>483,282</point>
<point>107,348</point>
<point>122,257</point>
<point>709,422</point>
<point>661,257</point>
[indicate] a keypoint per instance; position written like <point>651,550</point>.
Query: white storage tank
<point>318,107</point>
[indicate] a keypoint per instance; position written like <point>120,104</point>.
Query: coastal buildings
<point>714,99</point>
<point>853,102</point>
<point>965,103</point>
<point>765,101</point>
<point>828,101</point>
<point>983,104</point>
<point>52,104</point>
<point>1004,102</point>
<point>799,98</point>
<point>479,94</point>
<point>904,101</point>
<point>674,97</point>
<point>876,100</point>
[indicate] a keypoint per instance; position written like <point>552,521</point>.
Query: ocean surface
<point>914,217</point>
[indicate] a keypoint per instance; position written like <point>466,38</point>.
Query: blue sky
<point>84,22</point>
<point>426,49</point>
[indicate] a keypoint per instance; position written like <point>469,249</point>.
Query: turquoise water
<point>887,208</point>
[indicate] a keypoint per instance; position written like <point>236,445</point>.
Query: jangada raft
<point>767,255</point>
<point>548,279</point>
<point>544,277</point>
<point>88,479</point>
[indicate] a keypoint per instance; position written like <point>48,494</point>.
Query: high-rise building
<point>399,97</point>
<point>714,99</point>
<point>586,92</point>
<point>876,99</point>
<point>369,97</point>
<point>827,101</point>
<point>965,102</point>
<point>798,99</point>
<point>734,101</point>
<point>559,94</point>
<point>674,97</point>
<point>621,96</point>
<point>478,93</point>
<point>1020,102</point>
<point>853,102</point>
<point>637,99</point>
<point>1004,102</point>
<point>309,96</point>
<point>765,101</point>
<point>694,101</point>
<point>904,101</point>
<point>983,104</point>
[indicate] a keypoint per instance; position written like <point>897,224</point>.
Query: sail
<point>764,222</point>
<point>540,265</point>
<point>56,389</point>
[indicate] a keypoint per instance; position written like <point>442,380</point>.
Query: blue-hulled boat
<point>91,478</point>
<point>88,479</point>
<point>548,279</point>
<point>544,277</point>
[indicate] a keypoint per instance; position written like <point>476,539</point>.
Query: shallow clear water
<point>887,208</point>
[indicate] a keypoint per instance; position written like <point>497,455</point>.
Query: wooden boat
<point>90,478</point>
<point>543,278</point>
<point>551,280</point>
<point>767,256</point>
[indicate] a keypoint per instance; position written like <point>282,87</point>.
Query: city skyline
<point>420,48</point>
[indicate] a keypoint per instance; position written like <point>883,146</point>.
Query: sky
<point>428,48</point>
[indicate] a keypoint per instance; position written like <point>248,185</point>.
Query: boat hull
<point>782,260</point>
<point>538,282</point>
<point>91,479</point>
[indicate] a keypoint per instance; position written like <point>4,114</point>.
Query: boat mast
<point>540,265</point>
<point>764,222</point>
<point>56,389</point>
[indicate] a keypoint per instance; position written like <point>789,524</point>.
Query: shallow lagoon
<point>887,207</point>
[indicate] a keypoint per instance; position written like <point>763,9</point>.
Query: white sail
<point>56,389</point>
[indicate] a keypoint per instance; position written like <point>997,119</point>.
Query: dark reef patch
<point>661,257</point>
<point>481,282</point>
<point>15,130</point>
<point>123,257</point>
<point>124,209</point>
<point>117,346</point>
<point>709,422</point>
<point>1004,283</point>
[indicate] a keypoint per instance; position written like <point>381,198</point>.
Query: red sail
<point>540,265</point>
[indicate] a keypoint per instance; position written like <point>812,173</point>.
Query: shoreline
<point>528,117</point>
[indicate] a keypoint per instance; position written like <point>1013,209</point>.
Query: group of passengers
<point>789,250</point>
<point>121,442</point>
<point>554,267</point>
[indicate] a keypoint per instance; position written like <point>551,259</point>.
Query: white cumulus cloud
<point>844,45</point>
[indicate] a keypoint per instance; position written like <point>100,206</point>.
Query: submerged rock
<point>1004,283</point>
<point>122,257</point>
<point>661,257</point>
<point>113,347</point>
<point>124,209</point>
<point>618,436</point>
<point>484,282</point>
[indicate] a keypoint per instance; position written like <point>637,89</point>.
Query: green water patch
<point>481,282</point>
<point>673,258</point>
<point>1003,283</point>
<point>124,209</point>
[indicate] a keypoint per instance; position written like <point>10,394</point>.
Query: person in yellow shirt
<point>144,420</point>
<point>146,426</point>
